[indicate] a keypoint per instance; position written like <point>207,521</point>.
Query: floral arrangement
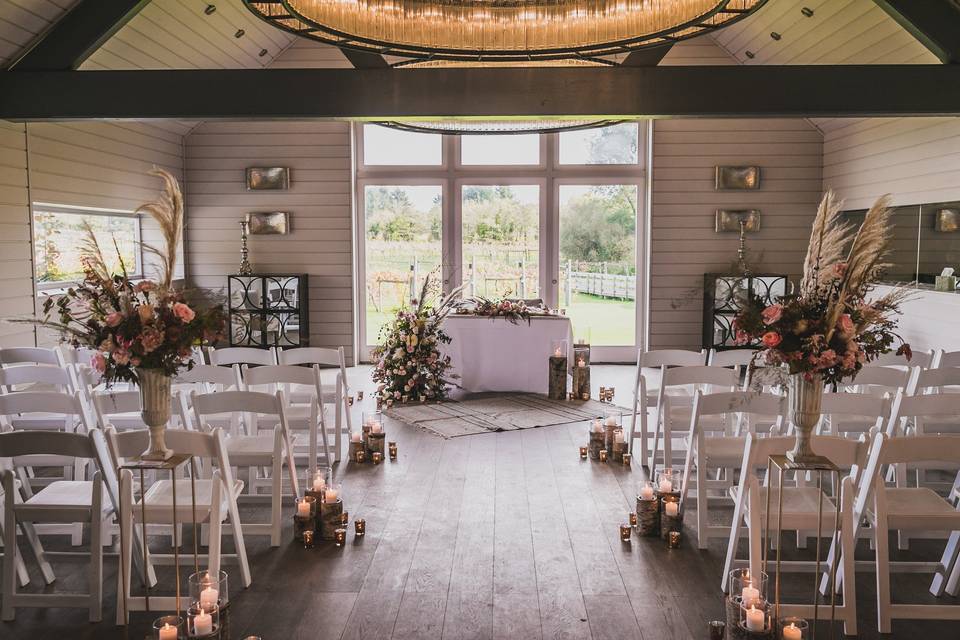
<point>829,327</point>
<point>148,324</point>
<point>409,363</point>
<point>513,311</point>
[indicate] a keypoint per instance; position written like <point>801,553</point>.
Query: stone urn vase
<point>804,396</point>
<point>154,387</point>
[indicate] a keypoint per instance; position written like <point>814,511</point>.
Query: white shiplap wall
<point>16,268</point>
<point>917,160</point>
<point>684,245</point>
<point>319,204</point>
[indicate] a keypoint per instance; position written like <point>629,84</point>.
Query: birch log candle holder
<point>356,446</point>
<point>648,512</point>
<point>330,518</point>
<point>619,446</point>
<point>376,443</point>
<point>671,519</point>
<point>557,382</point>
<point>596,442</point>
<point>611,424</point>
<point>581,370</point>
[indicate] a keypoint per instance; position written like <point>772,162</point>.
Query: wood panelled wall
<point>16,259</point>
<point>684,244</point>
<point>319,204</point>
<point>917,160</point>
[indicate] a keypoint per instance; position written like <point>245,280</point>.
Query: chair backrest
<point>743,402</point>
<point>947,359</point>
<point>843,452</point>
<point>671,358</point>
<point>922,408</point>
<point>280,374</point>
<point>237,401</point>
<point>731,357</point>
<point>109,405</point>
<point>700,375</point>
<point>76,355</point>
<point>210,377</point>
<point>922,359</point>
<point>29,355</point>
<point>935,379</point>
<point>209,448</point>
<point>45,402</point>
<point>855,412</point>
<point>890,378</point>
<point>14,444</point>
<point>241,355</point>
<point>45,374</point>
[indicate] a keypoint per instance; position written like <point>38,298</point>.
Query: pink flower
<point>183,312</point>
<point>742,337</point>
<point>121,356</point>
<point>771,339</point>
<point>145,311</point>
<point>98,362</point>
<point>846,325</point>
<point>146,285</point>
<point>827,359</point>
<point>114,319</point>
<point>151,339</point>
<point>772,313</point>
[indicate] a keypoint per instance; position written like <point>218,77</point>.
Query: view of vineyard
<point>501,236</point>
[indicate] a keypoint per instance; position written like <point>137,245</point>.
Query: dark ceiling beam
<point>672,91</point>
<point>935,23</point>
<point>365,59</point>
<point>80,32</point>
<point>650,57</point>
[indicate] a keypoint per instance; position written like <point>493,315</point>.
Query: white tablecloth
<point>491,354</point>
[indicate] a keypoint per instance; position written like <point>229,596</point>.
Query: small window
<point>390,147</point>
<point>500,150</point>
<point>616,144</point>
<point>59,237</point>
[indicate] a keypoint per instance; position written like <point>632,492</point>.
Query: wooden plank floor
<point>488,537</point>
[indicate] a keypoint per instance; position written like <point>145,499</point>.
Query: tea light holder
<point>793,628</point>
<point>168,628</point>
<point>627,458</point>
<point>359,527</point>
<point>308,536</point>
<point>603,455</point>
<point>360,456</point>
<point>404,399</point>
<point>608,396</point>
<point>393,450</point>
<point>571,396</point>
<point>584,396</point>
<point>632,518</point>
<point>359,395</point>
<point>625,531</point>
<point>345,518</point>
<point>349,401</point>
<point>671,519</point>
<point>330,514</point>
<point>389,402</point>
<point>376,457</point>
<point>648,512</point>
<point>717,629</point>
<point>207,588</point>
<point>755,622</point>
<point>203,622</point>
<point>583,453</point>
<point>673,540</point>
<point>603,394</point>
<point>340,536</point>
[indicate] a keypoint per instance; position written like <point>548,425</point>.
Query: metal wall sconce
<point>730,220</point>
<point>737,178</point>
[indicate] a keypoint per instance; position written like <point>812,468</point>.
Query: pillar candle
<point>755,619</point>
<point>749,595</point>
<point>557,352</point>
<point>303,509</point>
<point>611,421</point>
<point>581,362</point>
<point>355,437</point>
<point>168,632</point>
<point>330,495</point>
<point>209,596</point>
<point>203,624</point>
<point>792,632</point>
<point>646,492</point>
<point>666,485</point>
<point>671,508</point>
<point>319,483</point>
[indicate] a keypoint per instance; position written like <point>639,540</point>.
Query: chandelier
<point>501,30</point>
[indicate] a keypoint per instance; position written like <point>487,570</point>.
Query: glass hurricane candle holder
<point>359,527</point>
<point>751,587</point>
<point>317,480</point>
<point>558,348</point>
<point>340,536</point>
<point>372,422</point>
<point>756,617</point>
<point>207,589</point>
<point>612,418</point>
<point>167,628</point>
<point>667,481</point>
<point>203,622</point>
<point>625,531</point>
<point>306,507</point>
<point>793,628</point>
<point>332,493</point>
<point>717,629</point>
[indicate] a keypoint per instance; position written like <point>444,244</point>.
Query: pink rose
<point>145,311</point>
<point>121,357</point>
<point>771,339</point>
<point>742,337</point>
<point>114,319</point>
<point>146,285</point>
<point>98,362</point>
<point>772,313</point>
<point>151,339</point>
<point>183,312</point>
<point>846,325</point>
<point>827,359</point>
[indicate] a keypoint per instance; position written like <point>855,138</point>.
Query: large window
<point>59,237</point>
<point>555,217</point>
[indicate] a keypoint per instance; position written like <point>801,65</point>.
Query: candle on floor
<point>646,491</point>
<point>603,455</point>
<point>581,362</point>
<point>345,517</point>
<point>557,353</point>
<point>377,457</point>
<point>339,536</point>
<point>584,396</point>
<point>359,395</point>
<point>625,532</point>
<point>360,527</point>
<point>633,518</point>
<point>308,539</point>
<point>598,425</point>
<point>361,456</point>
<point>376,427</point>
<point>611,421</point>
<point>671,508</point>
<point>319,482</point>
<point>393,450</point>
<point>755,619</point>
<point>350,401</point>
<point>203,624</point>
<point>673,540</point>
<point>330,495</point>
<point>355,436</point>
<point>303,509</point>
<point>792,632</point>
<point>583,453</point>
<point>168,632</point>
<point>666,485</point>
<point>626,459</point>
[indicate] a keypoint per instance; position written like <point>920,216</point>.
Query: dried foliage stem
<point>168,213</point>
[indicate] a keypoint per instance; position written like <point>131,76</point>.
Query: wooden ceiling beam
<point>650,57</point>
<point>935,23</point>
<point>75,36</point>
<point>671,91</point>
<point>364,59</point>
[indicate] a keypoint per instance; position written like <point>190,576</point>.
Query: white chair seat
<point>68,494</point>
<point>39,422</point>
<point>914,501</point>
<point>257,450</point>
<point>159,499</point>
<point>797,502</point>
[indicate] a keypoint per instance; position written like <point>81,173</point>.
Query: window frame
<point>62,209</point>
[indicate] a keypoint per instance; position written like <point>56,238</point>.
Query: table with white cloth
<point>493,354</point>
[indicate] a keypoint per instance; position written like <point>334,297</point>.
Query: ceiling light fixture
<point>501,30</point>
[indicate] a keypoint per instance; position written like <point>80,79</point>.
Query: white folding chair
<point>722,451</point>
<point>227,356</point>
<point>304,384</point>
<point>946,359</point>
<point>645,395</point>
<point>35,377</point>
<point>121,410</point>
<point>853,413</point>
<point>29,355</point>
<point>63,501</point>
<point>731,358</point>
<point>802,507</point>
<point>215,491</point>
<point>338,390</point>
<point>922,359</point>
<point>942,380</point>
<point>256,451</point>
<point>903,508</point>
<point>675,403</point>
<point>879,380</point>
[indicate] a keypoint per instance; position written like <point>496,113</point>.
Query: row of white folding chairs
<point>97,501</point>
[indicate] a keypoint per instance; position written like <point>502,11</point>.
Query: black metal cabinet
<point>721,295</point>
<point>268,310</point>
